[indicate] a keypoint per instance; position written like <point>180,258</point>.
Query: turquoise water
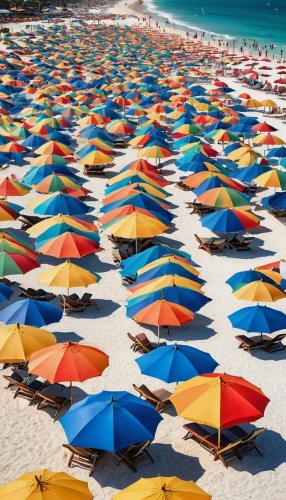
<point>263,20</point>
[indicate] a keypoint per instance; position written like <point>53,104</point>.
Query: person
<point>187,34</point>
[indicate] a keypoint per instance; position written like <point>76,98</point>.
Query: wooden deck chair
<point>70,306</point>
<point>28,390</point>
<point>181,185</point>
<point>85,457</point>
<point>50,397</point>
<point>133,454</point>
<point>144,343</point>
<point>248,442</point>
<point>269,344</point>
<point>213,245</point>
<point>159,398</point>
<point>40,294</point>
<point>134,346</point>
<point>30,221</point>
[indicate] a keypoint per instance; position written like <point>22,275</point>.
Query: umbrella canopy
<point>273,178</point>
<point>68,361</point>
<point>9,211</point>
<point>69,245</point>
<point>244,277</point>
<point>18,342</point>
<point>55,182</point>
<point>16,263</point>
<point>230,220</point>
<point>10,187</point>
<point>100,421</point>
<point>136,225</point>
<point>59,203</point>
<point>258,319</point>
<point>175,363</point>
<point>54,148</point>
<point>46,485</point>
<point>96,157</point>
<point>5,292</point>
<point>68,275</point>
<point>30,312</point>
<point>162,488</point>
<point>219,400</point>
<point>259,291</point>
<point>224,198</point>
<point>52,222</point>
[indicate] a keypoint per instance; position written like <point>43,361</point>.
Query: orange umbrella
<point>69,246</point>
<point>68,362</point>
<point>163,312</point>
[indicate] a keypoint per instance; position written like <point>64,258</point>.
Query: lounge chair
<point>269,344</point>
<point>69,306</point>
<point>94,170</point>
<point>158,398</point>
<point>133,454</point>
<point>247,439</point>
<point>134,346</point>
<point>30,221</point>
<point>120,143</point>
<point>118,255</point>
<point>86,457</point>
<point>200,209</point>
<point>28,390</point>
<point>52,397</point>
<point>241,245</point>
<point>211,245</point>
<point>39,294</point>
<point>7,282</point>
<point>181,185</point>
<point>227,450</point>
<point>76,301</point>
<point>277,213</point>
<point>144,343</point>
<point>17,376</point>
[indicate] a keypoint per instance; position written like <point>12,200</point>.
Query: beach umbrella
<point>162,312</point>
<point>53,222</point>
<point>117,213</point>
<point>259,291</point>
<point>18,342</point>
<point>129,175</point>
<point>263,127</point>
<point>10,187</point>
<point>13,238</point>
<point>248,174</point>
<point>245,277</point>
<point>277,200</point>
<point>277,152</point>
<point>272,266</point>
<point>51,159</point>
<point>68,275</point>
<point>13,246</point>
<point>219,400</point>
<point>268,139</point>
<point>34,141</point>
<point>37,174</point>
<point>224,197</point>
<point>156,192</point>
<point>230,220</point>
<point>141,165</point>
<point>69,245</point>
<point>162,488</point>
<point>100,421</point>
<point>68,362</point>
<point>96,157</point>
<point>136,225</point>
<point>16,263</point>
<point>215,182</point>
<point>176,363</point>
<point>30,312</point>
<point>46,485</point>
<point>138,261</point>
<point>274,178</point>
<point>54,182</point>
<point>59,203</point>
<point>168,265</point>
<point>258,319</point>
<point>157,152</point>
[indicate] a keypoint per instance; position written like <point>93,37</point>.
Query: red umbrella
<point>263,127</point>
<point>69,245</point>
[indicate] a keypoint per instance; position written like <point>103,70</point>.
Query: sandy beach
<point>30,440</point>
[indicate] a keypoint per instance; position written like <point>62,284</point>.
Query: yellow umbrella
<point>162,282</point>
<point>268,103</point>
<point>68,275</point>
<point>18,342</point>
<point>170,259</point>
<point>136,225</point>
<point>260,291</point>
<point>238,153</point>
<point>162,488</point>
<point>95,158</point>
<point>46,485</point>
<point>46,224</point>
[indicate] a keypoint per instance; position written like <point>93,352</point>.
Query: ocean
<point>262,20</point>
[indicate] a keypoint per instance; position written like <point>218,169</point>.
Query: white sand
<point>29,438</point>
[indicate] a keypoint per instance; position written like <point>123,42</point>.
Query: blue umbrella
<point>62,228</point>
<point>176,363</point>
<point>277,200</point>
<point>277,152</point>
<point>142,199</point>
<point>224,221</point>
<point>167,268</point>
<point>5,292</point>
<point>245,277</point>
<point>247,174</point>
<point>37,174</point>
<point>62,203</point>
<point>132,264</point>
<point>210,183</point>
<point>258,319</point>
<point>31,312</point>
<point>191,299</point>
<point>34,141</point>
<point>110,421</point>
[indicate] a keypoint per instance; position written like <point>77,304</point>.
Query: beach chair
<point>94,170</point>
<point>277,213</point>
<point>7,282</point>
<point>227,450</point>
<point>134,346</point>
<point>181,185</point>
<point>133,454</point>
<point>120,143</point>
<point>159,398</point>
<point>118,255</point>
<point>202,209</point>
<point>70,306</point>
<point>269,344</point>
<point>51,397</point>
<point>17,376</point>
<point>39,294</point>
<point>247,439</point>
<point>144,343</point>
<point>241,245</point>
<point>28,221</point>
<point>211,245</point>
<point>28,390</point>
<point>85,457</point>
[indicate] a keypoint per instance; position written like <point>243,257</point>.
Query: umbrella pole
<point>136,245</point>
<point>158,334</point>
<point>218,442</point>
<point>71,392</point>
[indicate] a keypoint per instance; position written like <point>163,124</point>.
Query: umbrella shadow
<point>168,241</point>
<point>67,337</point>
<point>196,330</point>
<point>272,356</point>
<point>167,462</point>
<point>167,172</point>
<point>104,308</point>
<point>93,264</point>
